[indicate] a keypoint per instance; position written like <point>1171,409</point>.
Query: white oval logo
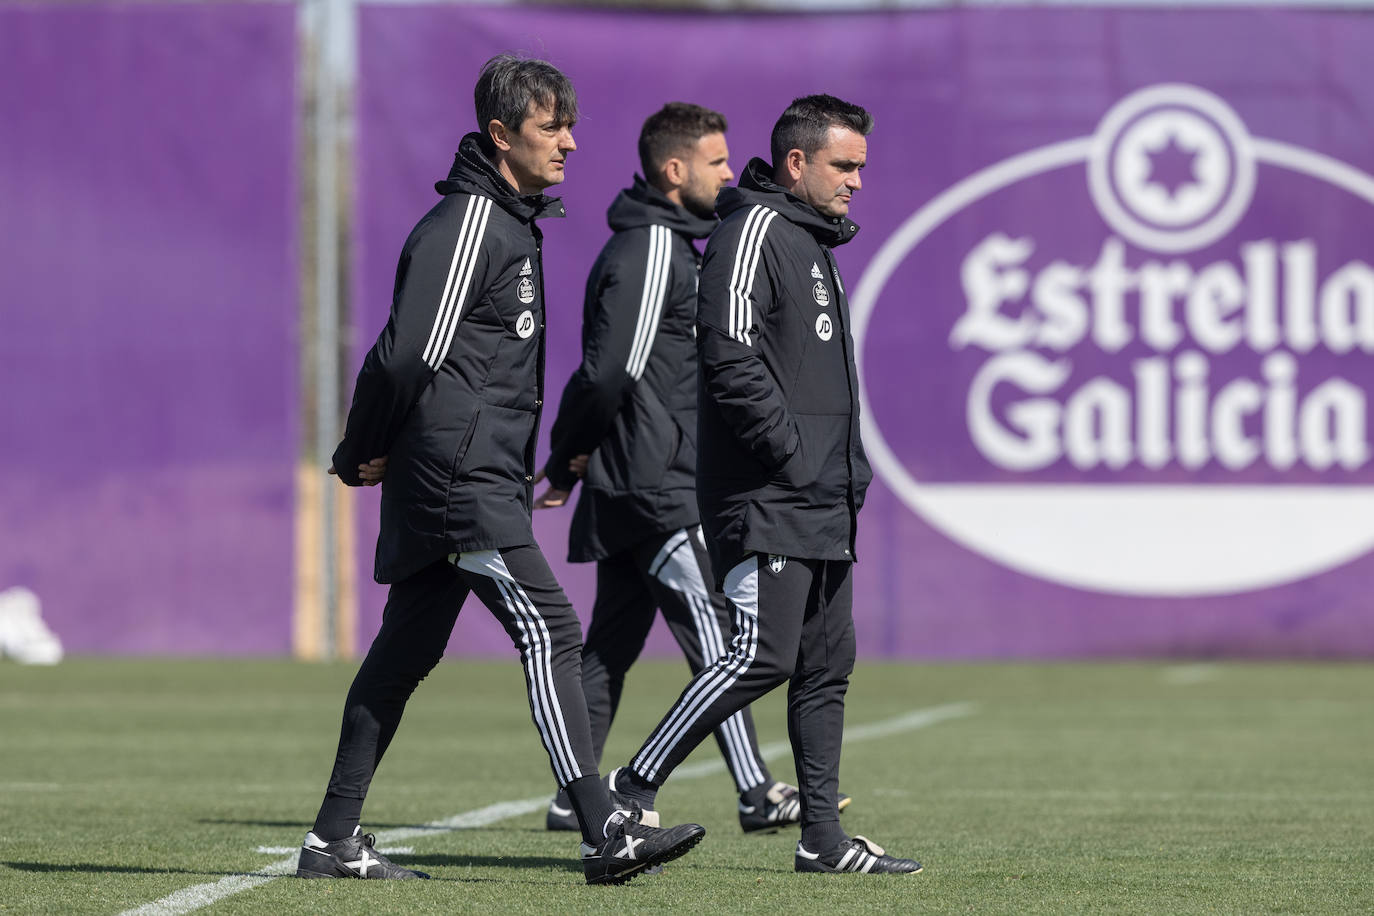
<point>524,325</point>
<point>824,329</point>
<point>821,294</point>
<point>1136,451</point>
<point>525,291</point>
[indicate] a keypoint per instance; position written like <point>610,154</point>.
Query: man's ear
<point>675,172</point>
<point>500,136</point>
<point>794,162</point>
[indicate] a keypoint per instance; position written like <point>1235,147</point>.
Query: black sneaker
<point>634,847</point>
<point>646,816</point>
<point>857,855</point>
<point>351,857</point>
<point>561,815</point>
<point>781,807</point>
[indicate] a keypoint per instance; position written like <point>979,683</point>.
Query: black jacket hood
<point>756,186</point>
<point>642,204</point>
<point>474,173</point>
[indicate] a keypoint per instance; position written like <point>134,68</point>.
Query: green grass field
<point>1145,788</point>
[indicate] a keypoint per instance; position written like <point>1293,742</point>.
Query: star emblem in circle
<point>1172,167</point>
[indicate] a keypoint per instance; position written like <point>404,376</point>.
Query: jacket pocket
<point>797,471</point>
<point>684,452</point>
<point>637,453</point>
<point>818,466</point>
<point>461,453</point>
<point>493,449</point>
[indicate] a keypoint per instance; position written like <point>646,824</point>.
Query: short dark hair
<point>507,85</point>
<point>806,123</point>
<point>672,130</point>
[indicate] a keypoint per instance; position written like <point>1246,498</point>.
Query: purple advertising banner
<point>148,192</point>
<point>1113,299</point>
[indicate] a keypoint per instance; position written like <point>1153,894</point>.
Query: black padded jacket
<point>631,404</point>
<point>781,468</point>
<point>452,390</point>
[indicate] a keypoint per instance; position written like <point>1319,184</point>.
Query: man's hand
<point>552,498</point>
<point>371,473</point>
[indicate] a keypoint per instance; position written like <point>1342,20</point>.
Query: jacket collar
<point>642,204</point>
<point>474,173</point>
<point>756,186</point>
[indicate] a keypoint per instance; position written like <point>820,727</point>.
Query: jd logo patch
<point>824,329</point>
<point>524,325</point>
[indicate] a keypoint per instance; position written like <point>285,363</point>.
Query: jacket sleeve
<point>733,302</point>
<point>624,306</point>
<point>442,271</point>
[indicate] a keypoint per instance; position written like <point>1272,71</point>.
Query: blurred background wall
<point>1112,300</point>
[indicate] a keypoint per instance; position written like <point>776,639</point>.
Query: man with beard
<point>781,471</point>
<point>626,427</point>
<point>446,409</point>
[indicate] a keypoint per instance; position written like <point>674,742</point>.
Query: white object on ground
<point>24,636</point>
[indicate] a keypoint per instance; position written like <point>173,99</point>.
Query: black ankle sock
<point>634,787</point>
<point>593,806</point>
<point>822,836</point>
<point>337,817</point>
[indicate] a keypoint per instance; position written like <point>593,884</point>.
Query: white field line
<point>911,721</point>
<point>201,895</point>
<point>1184,675</point>
<point>1099,796</point>
<point>193,898</point>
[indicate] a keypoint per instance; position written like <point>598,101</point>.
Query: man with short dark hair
<point>446,410</point>
<point>781,472</point>
<point>627,421</point>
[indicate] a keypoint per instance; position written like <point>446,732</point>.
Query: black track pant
<point>518,587</point>
<point>793,622</point>
<point>667,573</point>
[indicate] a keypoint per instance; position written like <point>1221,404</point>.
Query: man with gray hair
<point>444,415</point>
<point>781,471</point>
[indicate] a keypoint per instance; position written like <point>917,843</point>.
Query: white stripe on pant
<point>794,622</point>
